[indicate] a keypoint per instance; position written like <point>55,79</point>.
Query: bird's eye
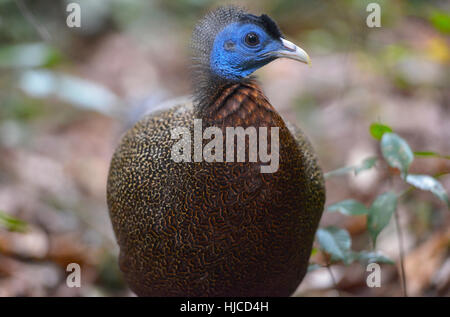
<point>252,39</point>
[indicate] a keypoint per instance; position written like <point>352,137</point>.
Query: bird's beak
<point>292,51</point>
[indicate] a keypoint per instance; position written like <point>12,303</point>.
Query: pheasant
<point>194,218</point>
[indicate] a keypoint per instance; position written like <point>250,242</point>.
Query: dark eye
<point>252,39</point>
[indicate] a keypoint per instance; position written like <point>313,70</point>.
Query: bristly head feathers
<point>204,36</point>
<point>207,29</point>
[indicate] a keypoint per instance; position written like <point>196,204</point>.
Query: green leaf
<point>430,154</point>
<point>336,242</point>
<point>339,171</point>
<point>371,257</point>
<point>76,91</point>
<point>368,163</point>
<point>441,21</point>
<point>426,182</point>
<point>380,213</point>
<point>11,223</point>
<point>397,152</point>
<point>313,267</point>
<point>377,130</point>
<point>425,153</point>
<point>349,207</point>
<point>28,55</point>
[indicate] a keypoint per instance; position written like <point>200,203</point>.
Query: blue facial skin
<point>232,58</point>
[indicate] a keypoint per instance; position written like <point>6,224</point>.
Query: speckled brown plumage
<point>214,229</point>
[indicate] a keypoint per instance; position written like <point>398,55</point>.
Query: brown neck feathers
<point>239,104</point>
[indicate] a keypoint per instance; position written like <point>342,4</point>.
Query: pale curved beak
<point>292,51</point>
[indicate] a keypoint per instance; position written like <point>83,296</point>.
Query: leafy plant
<point>335,242</point>
<point>380,213</point>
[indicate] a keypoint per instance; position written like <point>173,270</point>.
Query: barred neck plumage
<point>238,104</point>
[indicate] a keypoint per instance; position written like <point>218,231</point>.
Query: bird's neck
<point>235,104</point>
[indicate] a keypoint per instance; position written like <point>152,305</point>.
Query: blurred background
<point>67,95</point>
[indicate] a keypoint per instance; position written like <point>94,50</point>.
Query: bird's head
<point>230,44</point>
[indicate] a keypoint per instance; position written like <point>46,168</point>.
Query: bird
<point>206,225</point>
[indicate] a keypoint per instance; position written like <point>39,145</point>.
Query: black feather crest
<point>266,23</point>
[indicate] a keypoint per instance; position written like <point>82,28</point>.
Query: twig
<point>41,30</point>
<point>333,279</point>
<point>400,235</point>
<point>402,254</point>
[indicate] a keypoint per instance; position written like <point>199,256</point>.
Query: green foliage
<point>339,171</point>
<point>396,152</point>
<point>380,213</point>
<point>377,130</point>
<point>366,164</point>
<point>431,154</point>
<point>73,90</point>
<point>11,223</point>
<point>426,182</point>
<point>336,242</point>
<point>365,257</point>
<point>109,273</point>
<point>28,55</point>
<point>22,108</point>
<point>440,21</point>
<point>349,207</point>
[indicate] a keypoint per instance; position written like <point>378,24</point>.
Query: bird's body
<point>212,228</point>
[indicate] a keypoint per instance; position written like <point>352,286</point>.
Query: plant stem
<point>42,31</point>
<point>333,279</point>
<point>402,254</point>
